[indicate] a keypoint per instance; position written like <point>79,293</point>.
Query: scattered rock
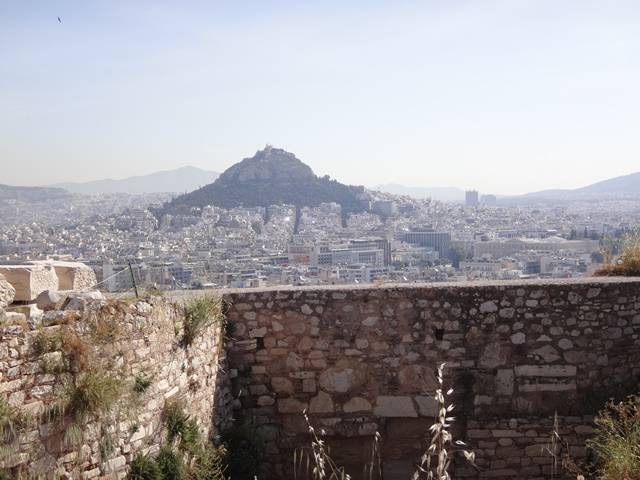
<point>7,292</point>
<point>49,300</point>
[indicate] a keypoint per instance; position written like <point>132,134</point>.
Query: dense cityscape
<point>395,239</point>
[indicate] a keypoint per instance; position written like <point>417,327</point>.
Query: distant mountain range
<point>626,186</point>
<point>32,194</point>
<point>617,187</point>
<point>185,179</point>
<point>443,194</point>
<point>272,176</point>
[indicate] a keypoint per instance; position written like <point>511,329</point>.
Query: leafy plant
<point>195,459</point>
<point>181,427</point>
<point>170,463</point>
<point>107,446</point>
<point>144,467</point>
<point>174,418</point>
<point>199,314</point>
<point>616,441</point>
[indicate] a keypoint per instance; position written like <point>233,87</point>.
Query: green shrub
<point>199,314</point>
<point>141,384</point>
<point>106,446</point>
<point>181,427</point>
<point>94,394</point>
<point>174,418</point>
<point>190,438</point>
<point>616,442</point>
<point>144,468</point>
<point>171,464</point>
<point>194,459</point>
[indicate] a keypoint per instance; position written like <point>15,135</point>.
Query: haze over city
<point>503,96</point>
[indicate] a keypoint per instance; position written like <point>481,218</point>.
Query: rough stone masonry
<point>362,360</point>
<point>150,345</point>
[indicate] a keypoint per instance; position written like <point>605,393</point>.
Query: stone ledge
<point>476,284</point>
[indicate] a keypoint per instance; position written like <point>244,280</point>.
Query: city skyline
<point>503,97</point>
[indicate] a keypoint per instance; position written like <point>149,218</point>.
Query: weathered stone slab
<point>547,387</point>
<point>79,300</point>
<point>391,406</point>
<point>427,406</point>
<point>504,381</point>
<point>321,403</point>
<point>547,353</point>
<point>357,404</point>
<point>74,276</point>
<point>343,378</point>
<point>29,280</point>
<point>291,405</point>
<point>545,371</point>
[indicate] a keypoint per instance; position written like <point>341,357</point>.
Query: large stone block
<point>321,403</point>
<point>545,371</point>
<point>344,377</point>
<point>357,404</point>
<point>30,280</point>
<point>391,406</point>
<point>7,292</point>
<point>72,275</point>
<point>418,379</point>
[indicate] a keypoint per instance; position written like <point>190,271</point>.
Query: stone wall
<point>361,360</point>
<point>139,339</point>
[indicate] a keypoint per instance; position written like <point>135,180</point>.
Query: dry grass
<point>317,460</point>
<point>93,382</point>
<point>434,464</point>
<point>13,423</point>
<point>628,263</point>
<point>616,442</point>
<point>94,395</point>
<point>562,464</point>
<point>436,460</point>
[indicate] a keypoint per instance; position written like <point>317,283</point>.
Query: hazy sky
<point>505,96</point>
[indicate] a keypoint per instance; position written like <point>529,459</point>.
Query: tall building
<point>439,241</point>
<point>471,198</point>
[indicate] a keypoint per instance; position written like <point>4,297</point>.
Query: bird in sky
<point>59,20</point>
